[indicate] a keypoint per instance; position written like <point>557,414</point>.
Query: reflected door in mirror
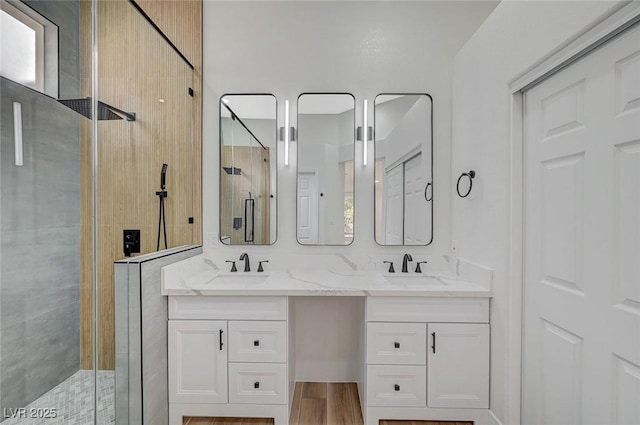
<point>403,169</point>
<point>325,184</point>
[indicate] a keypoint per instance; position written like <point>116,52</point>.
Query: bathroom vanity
<point>422,346</point>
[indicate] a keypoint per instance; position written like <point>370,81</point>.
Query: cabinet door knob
<point>396,344</point>
<point>256,385</point>
<point>256,343</point>
<point>396,387</point>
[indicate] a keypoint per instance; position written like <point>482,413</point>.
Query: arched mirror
<point>248,169</point>
<point>325,189</point>
<point>403,169</point>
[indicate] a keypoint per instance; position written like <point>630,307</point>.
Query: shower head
<point>105,112</point>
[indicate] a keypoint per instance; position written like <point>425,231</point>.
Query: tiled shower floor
<point>73,401</point>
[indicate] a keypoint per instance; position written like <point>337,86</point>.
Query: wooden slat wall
<point>234,189</point>
<point>141,73</point>
<point>181,22</point>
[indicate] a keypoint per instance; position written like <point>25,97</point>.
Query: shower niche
<point>248,169</point>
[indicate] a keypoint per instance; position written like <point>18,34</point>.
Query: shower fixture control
<point>131,242</point>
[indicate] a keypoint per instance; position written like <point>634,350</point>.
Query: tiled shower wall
<point>40,228</point>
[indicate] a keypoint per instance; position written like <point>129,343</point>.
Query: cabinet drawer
<point>258,342</point>
<point>396,386</point>
<point>227,308</point>
<point>258,383</point>
<point>423,309</point>
<point>396,343</point>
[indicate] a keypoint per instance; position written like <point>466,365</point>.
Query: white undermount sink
<point>240,279</point>
<point>413,279</point>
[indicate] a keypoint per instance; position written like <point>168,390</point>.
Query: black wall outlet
<point>130,242</point>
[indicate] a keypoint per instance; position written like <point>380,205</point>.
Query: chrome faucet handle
<point>233,266</point>
<point>260,269</point>
<point>418,270</point>
<point>391,269</point>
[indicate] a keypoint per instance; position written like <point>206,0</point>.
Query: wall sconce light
<point>361,137</point>
<point>17,133</point>
<point>287,133</point>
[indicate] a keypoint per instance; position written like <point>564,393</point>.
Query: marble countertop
<point>203,280</point>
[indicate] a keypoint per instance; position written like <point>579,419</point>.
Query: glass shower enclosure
<point>94,100</point>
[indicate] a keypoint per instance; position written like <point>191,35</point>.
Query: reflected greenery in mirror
<point>403,169</point>
<point>325,189</point>
<point>248,169</point>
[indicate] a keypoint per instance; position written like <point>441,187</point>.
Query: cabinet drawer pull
<point>256,343</point>
<point>256,385</point>
<point>396,344</point>
<point>433,347</point>
<point>396,387</point>
<point>221,344</point>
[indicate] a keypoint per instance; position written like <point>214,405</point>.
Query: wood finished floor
<point>319,403</point>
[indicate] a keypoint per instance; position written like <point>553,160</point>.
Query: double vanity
<point>415,340</point>
<point>421,345</point>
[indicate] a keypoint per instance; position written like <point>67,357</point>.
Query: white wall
<point>363,48</point>
<point>517,36</point>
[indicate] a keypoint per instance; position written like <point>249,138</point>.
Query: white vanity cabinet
<point>228,357</point>
<point>426,356</point>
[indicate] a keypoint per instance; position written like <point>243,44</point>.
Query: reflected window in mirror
<point>403,169</point>
<point>325,187</point>
<point>248,169</point>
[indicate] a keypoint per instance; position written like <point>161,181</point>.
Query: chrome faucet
<point>245,257</point>
<point>405,260</point>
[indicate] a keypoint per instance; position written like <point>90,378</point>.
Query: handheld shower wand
<point>162,193</point>
<point>163,176</point>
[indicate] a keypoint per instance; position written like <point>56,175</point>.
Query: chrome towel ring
<point>471,175</point>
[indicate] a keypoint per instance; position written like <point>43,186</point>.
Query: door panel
<point>581,351</point>
<point>416,207</point>
<point>394,206</point>
<point>458,365</point>
<point>197,362</point>
<point>307,209</point>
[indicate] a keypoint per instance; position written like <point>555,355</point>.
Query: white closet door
<point>416,209</point>
<point>582,241</point>
<point>394,206</point>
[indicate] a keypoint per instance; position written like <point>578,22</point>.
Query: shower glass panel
<point>46,372</point>
<point>247,169</point>
<point>146,180</point>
